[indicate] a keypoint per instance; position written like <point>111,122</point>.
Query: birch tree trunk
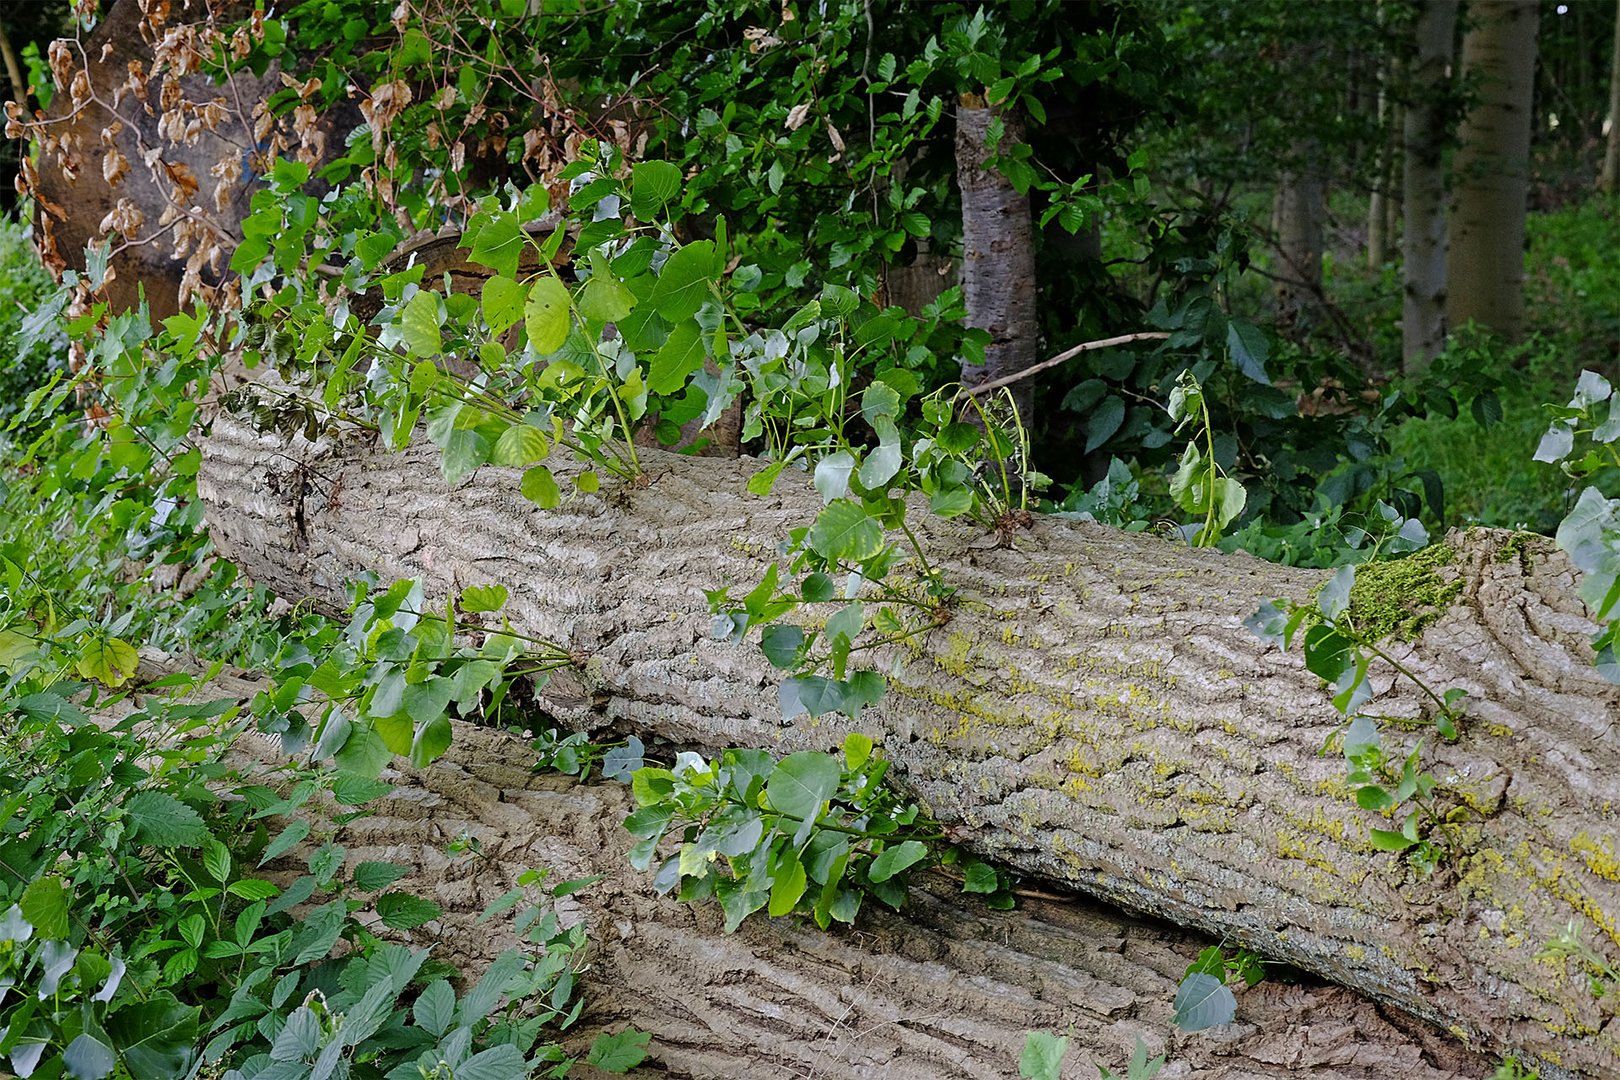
<point>1423,246</point>
<point>1609,181</point>
<point>1485,264</point>
<point>998,251</point>
<point>1094,713</point>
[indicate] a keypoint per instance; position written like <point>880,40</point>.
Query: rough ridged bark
<point>1093,713</point>
<point>945,991</point>
<point>1423,245</point>
<point>1485,263</point>
<point>998,252</point>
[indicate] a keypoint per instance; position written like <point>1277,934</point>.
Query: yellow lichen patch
<point>1598,854</point>
<point>1293,845</point>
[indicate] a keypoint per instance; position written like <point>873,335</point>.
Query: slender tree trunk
<point>1301,215</point>
<point>1423,246</point>
<point>19,86</point>
<point>998,251</point>
<point>1485,264</point>
<point>1094,713</point>
<point>1378,215</point>
<point>946,990</point>
<point>1609,181</point>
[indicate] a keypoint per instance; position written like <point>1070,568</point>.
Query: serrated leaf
<point>293,834</point>
<point>162,820</point>
<point>1042,1056</point>
<point>619,1053</point>
<point>372,876</point>
<point>402,911</point>
<point>435,1008</point>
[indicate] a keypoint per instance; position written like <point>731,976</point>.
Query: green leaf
<point>1203,1001</point>
<point>892,860</point>
<point>832,475</point>
<point>88,1058</point>
<point>540,488</point>
<point>802,782</point>
<point>291,835</point>
<point>818,588</point>
<point>605,299</point>
<point>479,598</point>
<point>1387,840</point>
<point>1373,797</point>
<point>1327,652</point>
<point>155,1037</point>
<point>162,820</point>
<point>788,883</point>
<point>402,911</point>
<point>502,303</point>
<point>843,531</point>
<point>781,644</point>
<point>857,750</point>
<point>653,185</point>
<point>681,355</point>
<point>107,659</point>
<point>216,860</point>
<point>1042,1057</point>
<point>979,877</point>
<point>419,325</point>
<point>1249,349</point>
<point>431,741</point>
<point>622,1052</point>
<point>545,315</point>
<point>1103,421</point>
<point>372,876</point>
<point>683,284</point>
<point>435,1008</point>
<point>45,905</point>
<point>499,244</point>
<point>520,445</point>
<point>883,462</point>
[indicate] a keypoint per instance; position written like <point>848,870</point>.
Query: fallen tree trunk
<point>1094,713</point>
<point>947,990</point>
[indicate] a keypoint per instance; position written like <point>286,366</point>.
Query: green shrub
<point>23,284</point>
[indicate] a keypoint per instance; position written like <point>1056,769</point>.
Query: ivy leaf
<point>683,284</point>
<point>653,185</point>
<point>502,303</point>
<point>681,355</point>
<point>1203,1001</point>
<point>419,325</point>
<point>843,531</point>
<point>545,315</point>
<point>162,820</point>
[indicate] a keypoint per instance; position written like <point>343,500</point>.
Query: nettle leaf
<point>844,531</point>
<point>419,325</point>
<point>162,820</point>
<point>503,301</point>
<point>546,315</point>
<point>402,911</point>
<point>374,876</point>
<point>683,284</point>
<point>1203,1001</point>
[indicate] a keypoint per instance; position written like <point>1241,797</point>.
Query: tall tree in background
<point>1301,208</point>
<point>998,248</point>
<point>1609,181</point>
<point>1423,246</point>
<point>1485,264</point>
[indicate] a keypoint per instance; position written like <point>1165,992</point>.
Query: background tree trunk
<point>998,251</point>
<point>1485,264</point>
<point>1301,214</point>
<point>1609,181</point>
<point>1094,712</point>
<point>1423,245</point>
<point>945,991</point>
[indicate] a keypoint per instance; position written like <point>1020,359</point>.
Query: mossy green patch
<point>1398,599</point>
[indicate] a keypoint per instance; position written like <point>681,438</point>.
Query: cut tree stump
<point>1094,713</point>
<point>946,990</point>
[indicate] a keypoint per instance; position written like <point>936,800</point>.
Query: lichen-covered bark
<point>1093,713</point>
<point>946,990</point>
